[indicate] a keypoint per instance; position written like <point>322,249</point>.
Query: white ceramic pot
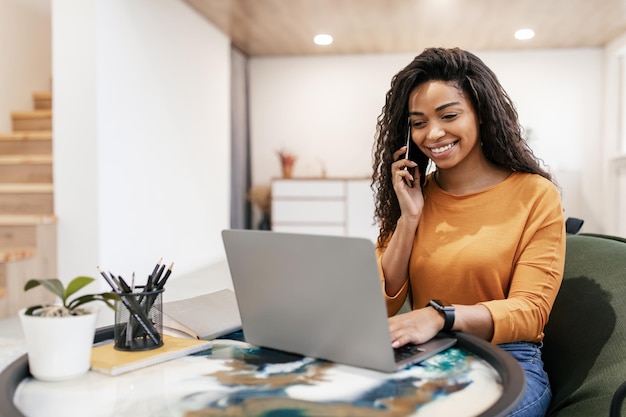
<point>58,348</point>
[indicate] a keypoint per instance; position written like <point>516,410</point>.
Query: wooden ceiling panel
<point>287,27</point>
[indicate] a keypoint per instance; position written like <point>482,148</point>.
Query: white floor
<point>12,344</point>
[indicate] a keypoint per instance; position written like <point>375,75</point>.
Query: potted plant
<point>59,337</point>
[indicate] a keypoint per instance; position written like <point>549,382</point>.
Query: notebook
<point>205,316</point>
<point>317,296</point>
<point>108,360</point>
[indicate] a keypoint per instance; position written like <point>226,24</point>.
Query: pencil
<point>123,284</point>
<point>133,309</point>
<point>161,283</point>
<point>151,277</point>
<point>109,280</point>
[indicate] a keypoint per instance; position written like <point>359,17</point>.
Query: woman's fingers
<point>413,327</point>
<point>401,172</point>
<point>399,154</point>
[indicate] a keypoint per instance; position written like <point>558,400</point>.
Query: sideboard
<point>335,206</point>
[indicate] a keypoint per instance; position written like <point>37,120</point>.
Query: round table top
<point>473,378</point>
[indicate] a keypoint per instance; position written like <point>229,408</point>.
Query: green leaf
<point>77,302</point>
<point>55,286</point>
<point>31,284</point>
<point>52,284</point>
<point>111,305</point>
<point>110,296</point>
<point>29,311</point>
<point>77,284</point>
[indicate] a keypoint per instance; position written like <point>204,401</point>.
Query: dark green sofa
<point>585,339</point>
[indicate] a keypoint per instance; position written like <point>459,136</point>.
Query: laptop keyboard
<point>406,351</point>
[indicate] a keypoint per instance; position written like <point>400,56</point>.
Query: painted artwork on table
<point>254,381</point>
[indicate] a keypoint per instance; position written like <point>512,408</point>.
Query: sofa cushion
<point>584,340</point>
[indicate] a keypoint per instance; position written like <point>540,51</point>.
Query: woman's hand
<point>421,325</point>
<point>417,326</point>
<point>406,186</point>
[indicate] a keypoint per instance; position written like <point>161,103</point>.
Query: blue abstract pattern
<point>254,381</point>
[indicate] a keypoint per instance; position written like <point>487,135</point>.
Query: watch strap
<point>447,310</point>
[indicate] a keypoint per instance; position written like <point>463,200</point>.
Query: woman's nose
<point>435,132</point>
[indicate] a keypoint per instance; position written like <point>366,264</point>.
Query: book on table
<point>108,360</point>
<point>203,317</point>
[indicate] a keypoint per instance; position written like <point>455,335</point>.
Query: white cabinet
<point>338,206</point>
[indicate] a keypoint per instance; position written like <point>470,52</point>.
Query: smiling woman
<point>487,191</point>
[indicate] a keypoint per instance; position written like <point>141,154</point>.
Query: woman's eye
<point>449,116</point>
<point>417,123</point>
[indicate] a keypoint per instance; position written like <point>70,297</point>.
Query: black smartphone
<point>409,146</point>
<point>409,142</point>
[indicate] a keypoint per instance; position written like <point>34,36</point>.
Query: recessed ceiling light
<point>524,34</point>
<point>323,39</point>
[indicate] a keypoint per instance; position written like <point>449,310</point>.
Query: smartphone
<point>408,142</point>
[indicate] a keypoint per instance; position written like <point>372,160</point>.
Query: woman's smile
<point>441,149</point>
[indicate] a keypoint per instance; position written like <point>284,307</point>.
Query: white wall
<point>25,49</point>
<point>614,136</point>
<point>325,109</point>
<point>559,96</point>
<point>142,134</point>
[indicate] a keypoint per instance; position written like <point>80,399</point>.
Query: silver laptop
<point>317,296</point>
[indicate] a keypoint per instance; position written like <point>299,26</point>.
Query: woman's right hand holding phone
<point>406,184</point>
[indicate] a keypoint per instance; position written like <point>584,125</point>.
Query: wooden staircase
<point>27,220</point>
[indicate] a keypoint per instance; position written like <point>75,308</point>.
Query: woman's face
<point>444,124</point>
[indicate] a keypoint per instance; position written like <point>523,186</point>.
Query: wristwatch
<point>447,310</point>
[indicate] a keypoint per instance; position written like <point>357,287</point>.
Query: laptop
<point>318,296</point>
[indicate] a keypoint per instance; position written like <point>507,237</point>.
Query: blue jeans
<point>537,396</point>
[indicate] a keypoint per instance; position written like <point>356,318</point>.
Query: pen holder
<point>139,321</point>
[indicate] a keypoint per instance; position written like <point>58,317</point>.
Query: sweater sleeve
<point>395,301</point>
<point>536,276</point>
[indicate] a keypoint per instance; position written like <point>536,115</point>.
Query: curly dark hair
<point>500,131</point>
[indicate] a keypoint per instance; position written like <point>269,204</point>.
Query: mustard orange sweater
<point>503,247</point>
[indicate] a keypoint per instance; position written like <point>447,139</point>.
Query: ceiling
<point>287,27</point>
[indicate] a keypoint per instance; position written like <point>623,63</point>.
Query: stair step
<point>14,274</point>
<point>17,254</point>
<point>29,198</point>
<point>26,219</point>
<point>26,143</point>
<point>32,120</point>
<point>12,255</point>
<point>18,232</point>
<point>42,100</point>
<point>25,159</point>
<point>25,168</point>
